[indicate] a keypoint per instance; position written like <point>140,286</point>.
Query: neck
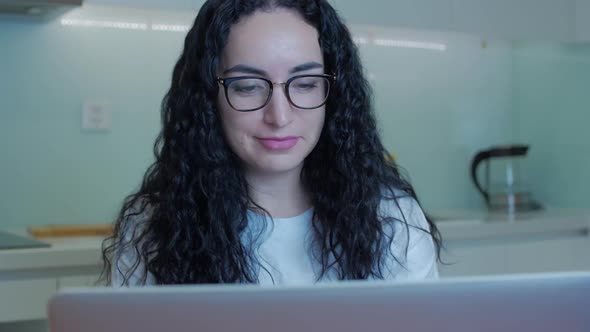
<point>281,194</point>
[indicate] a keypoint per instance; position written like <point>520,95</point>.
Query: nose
<point>278,112</point>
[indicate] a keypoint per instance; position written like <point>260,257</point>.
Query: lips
<point>278,143</point>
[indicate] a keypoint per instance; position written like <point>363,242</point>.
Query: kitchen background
<point>440,97</point>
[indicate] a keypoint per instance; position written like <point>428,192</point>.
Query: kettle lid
<point>507,150</point>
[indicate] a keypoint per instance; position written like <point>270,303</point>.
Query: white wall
<point>436,108</point>
<point>516,19</point>
<point>536,20</point>
<point>165,4</point>
<point>582,10</point>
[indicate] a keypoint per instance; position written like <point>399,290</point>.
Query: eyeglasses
<point>251,93</point>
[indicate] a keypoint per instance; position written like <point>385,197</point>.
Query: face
<point>277,46</point>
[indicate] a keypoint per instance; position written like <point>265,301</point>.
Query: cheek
<point>317,122</point>
<point>227,115</point>
<point>236,127</point>
<point>228,123</point>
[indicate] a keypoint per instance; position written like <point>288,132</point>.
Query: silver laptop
<point>522,303</point>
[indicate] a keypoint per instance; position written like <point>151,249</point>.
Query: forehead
<point>273,41</point>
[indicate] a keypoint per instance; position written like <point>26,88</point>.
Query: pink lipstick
<point>278,143</point>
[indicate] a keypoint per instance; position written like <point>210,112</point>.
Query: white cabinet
<point>565,254</point>
<point>535,256</point>
<point>472,260</point>
<point>25,299</point>
<point>29,277</point>
<point>524,247</point>
<point>23,303</point>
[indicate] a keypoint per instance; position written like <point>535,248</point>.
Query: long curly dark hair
<point>191,210</point>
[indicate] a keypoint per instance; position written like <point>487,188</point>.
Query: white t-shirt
<point>284,249</point>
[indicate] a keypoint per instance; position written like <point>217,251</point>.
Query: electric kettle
<point>504,188</point>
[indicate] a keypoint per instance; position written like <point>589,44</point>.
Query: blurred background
<point>484,103</point>
<point>451,78</point>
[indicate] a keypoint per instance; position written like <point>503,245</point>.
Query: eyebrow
<point>305,66</point>
<point>256,71</point>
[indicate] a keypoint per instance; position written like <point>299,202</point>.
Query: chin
<point>280,166</point>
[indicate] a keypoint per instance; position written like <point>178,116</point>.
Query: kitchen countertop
<point>478,224</point>
<point>63,253</point>
<point>454,226</point>
<point>485,215</point>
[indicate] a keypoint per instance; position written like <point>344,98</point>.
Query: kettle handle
<point>479,157</point>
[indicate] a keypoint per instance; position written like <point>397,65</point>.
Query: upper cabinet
<point>431,14</point>
<point>151,4</point>
<point>582,12</point>
<point>542,20</point>
<point>425,14</point>
<point>531,20</point>
<point>36,9</point>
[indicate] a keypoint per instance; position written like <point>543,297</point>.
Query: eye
<point>247,86</point>
<point>306,84</point>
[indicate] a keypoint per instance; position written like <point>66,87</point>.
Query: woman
<point>269,168</point>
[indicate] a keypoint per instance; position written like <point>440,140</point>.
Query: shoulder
<point>403,210</point>
<point>412,245</point>
<point>128,265</point>
<point>134,221</point>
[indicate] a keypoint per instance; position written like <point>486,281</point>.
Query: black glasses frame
<point>227,81</point>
